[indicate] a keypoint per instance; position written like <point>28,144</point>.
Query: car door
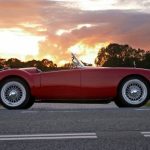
<point>63,84</point>
<point>97,83</point>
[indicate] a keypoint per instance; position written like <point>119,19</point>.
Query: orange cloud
<point>64,27</point>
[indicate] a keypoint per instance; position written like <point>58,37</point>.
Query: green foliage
<point>14,63</point>
<point>146,61</point>
<point>115,55</point>
<point>44,65</point>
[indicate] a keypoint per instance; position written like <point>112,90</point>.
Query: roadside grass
<point>148,104</point>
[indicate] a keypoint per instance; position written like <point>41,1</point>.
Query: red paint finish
<point>98,83</point>
<point>77,84</point>
<point>33,79</point>
<point>102,83</point>
<point>61,84</point>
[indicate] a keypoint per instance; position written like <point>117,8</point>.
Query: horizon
<point>52,29</point>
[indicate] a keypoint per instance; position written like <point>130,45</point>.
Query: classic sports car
<point>127,87</point>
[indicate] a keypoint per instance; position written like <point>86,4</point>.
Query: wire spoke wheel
<point>134,92</point>
<point>15,94</point>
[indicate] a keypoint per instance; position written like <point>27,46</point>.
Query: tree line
<point>114,55</point>
<point>44,65</point>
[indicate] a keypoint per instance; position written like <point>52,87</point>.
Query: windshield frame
<point>79,63</point>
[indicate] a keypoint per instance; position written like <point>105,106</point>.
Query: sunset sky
<point>37,29</point>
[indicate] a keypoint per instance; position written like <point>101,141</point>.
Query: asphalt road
<point>75,127</point>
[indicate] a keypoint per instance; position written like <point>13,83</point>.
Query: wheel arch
<point>29,100</point>
<point>18,77</point>
<point>133,75</point>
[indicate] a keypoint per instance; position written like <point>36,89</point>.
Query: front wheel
<point>133,92</point>
<point>14,94</point>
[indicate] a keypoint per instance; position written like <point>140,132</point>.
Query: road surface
<point>75,127</point>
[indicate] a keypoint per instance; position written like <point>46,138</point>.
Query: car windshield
<point>76,62</point>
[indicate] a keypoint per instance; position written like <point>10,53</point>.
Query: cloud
<point>46,18</point>
<point>106,26</point>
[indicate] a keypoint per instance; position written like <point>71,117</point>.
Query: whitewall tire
<point>133,92</point>
<point>14,93</point>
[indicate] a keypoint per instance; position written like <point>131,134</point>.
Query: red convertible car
<point>127,87</point>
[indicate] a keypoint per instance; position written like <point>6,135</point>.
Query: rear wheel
<point>133,92</point>
<point>14,93</point>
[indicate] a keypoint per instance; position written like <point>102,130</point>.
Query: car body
<point>77,84</point>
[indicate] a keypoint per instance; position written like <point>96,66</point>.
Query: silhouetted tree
<point>115,55</point>
<point>68,66</point>
<point>146,61</point>
<point>2,63</point>
<point>14,63</point>
<point>44,65</point>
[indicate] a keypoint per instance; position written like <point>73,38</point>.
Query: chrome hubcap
<point>13,94</point>
<point>134,91</point>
